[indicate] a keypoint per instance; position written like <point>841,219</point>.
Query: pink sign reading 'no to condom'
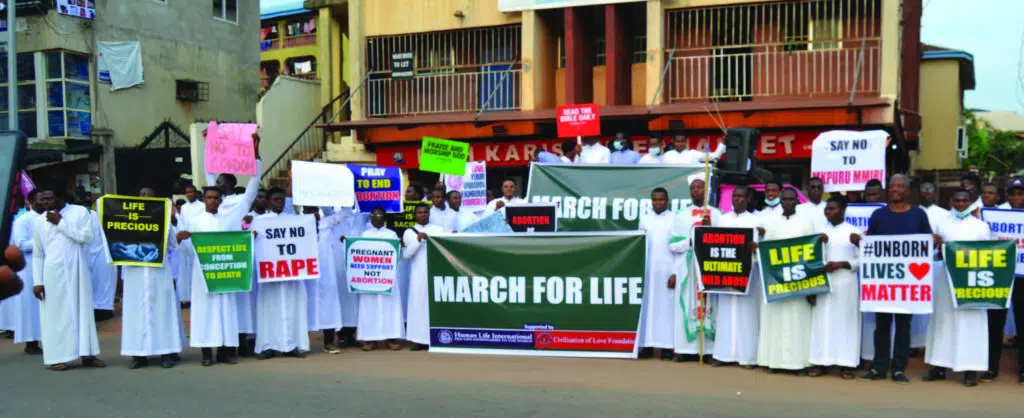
<point>229,148</point>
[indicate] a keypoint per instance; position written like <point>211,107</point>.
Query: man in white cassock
<point>24,306</point>
<point>440,214</point>
<point>60,272</point>
<point>656,323</point>
<point>352,226</point>
<point>324,299</point>
<point>381,317</point>
<point>784,342</point>
<point>186,253</point>
<point>957,338</point>
<point>151,314</point>
<point>463,218</point>
<point>282,326</point>
<point>686,323</point>
<point>737,317</point>
<point>835,318</point>
<point>103,274</point>
<point>509,196</point>
<point>772,199</point>
<point>415,242</point>
<point>814,207</point>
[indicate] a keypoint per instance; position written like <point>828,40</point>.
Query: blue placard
<point>495,223</point>
<point>378,187</point>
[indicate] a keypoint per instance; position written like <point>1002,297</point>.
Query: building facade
<point>288,41</point>
<point>194,67</point>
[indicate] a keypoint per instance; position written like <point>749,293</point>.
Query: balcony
<point>801,49</point>
<point>308,39</point>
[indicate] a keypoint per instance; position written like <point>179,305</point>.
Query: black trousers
<point>883,335</point>
<point>996,325</point>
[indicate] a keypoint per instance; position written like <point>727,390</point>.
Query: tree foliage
<point>991,151</point>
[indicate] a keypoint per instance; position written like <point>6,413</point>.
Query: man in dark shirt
<point>897,218</point>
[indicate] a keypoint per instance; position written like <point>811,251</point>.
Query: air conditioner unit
<point>961,142</point>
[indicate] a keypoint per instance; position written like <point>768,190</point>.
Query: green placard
<point>444,156</point>
<point>981,273</point>
<point>793,268</point>
<point>225,259</point>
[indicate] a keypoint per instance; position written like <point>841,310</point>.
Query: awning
<point>40,157</point>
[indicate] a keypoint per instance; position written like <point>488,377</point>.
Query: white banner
<point>1007,224</point>
<point>896,273</point>
<point>472,185</point>
<point>286,248</point>
<point>846,160</point>
<point>521,5</point>
<point>372,264</point>
<point>322,184</point>
<point>858,214</point>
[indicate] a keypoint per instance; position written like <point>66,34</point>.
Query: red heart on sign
<point>919,270</point>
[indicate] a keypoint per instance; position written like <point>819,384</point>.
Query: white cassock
<point>957,338</point>
<point>60,264</point>
<point>492,205</point>
<point>103,274</point>
<point>650,159</point>
<point>462,220</point>
<point>235,207</point>
<point>737,317</point>
<point>324,300</point>
<point>151,314</point>
<point>380,316</point>
<point>595,154</point>
<point>247,316</point>
<point>835,318</point>
<point>659,301</point>
<point>213,316</point>
<point>25,306</point>
<point>353,226</point>
<point>281,313</point>
<point>769,210</point>
<point>686,324</point>
<point>419,290</point>
<point>186,252</point>
<point>441,217</point>
<point>785,337</point>
<point>815,212</point>
<point>692,156</point>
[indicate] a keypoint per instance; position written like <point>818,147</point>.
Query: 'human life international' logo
<point>444,337</point>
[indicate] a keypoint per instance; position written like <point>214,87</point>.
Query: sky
<point>992,31</point>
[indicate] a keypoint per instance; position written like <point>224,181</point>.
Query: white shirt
<point>595,154</point>
<point>492,205</point>
<point>651,159</point>
<point>1004,206</point>
<point>816,212</point>
<point>935,214</point>
<point>462,220</point>
<point>690,157</point>
<point>568,161</point>
<point>441,217</point>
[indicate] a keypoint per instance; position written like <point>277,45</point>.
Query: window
<point>226,10</point>
<point>26,94</point>
<point>301,66</point>
<point>192,91</point>
<point>68,102</point>
<point>808,33</point>
<point>640,48</point>
<point>825,34</point>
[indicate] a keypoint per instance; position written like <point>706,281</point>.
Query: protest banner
<point>493,223</point>
<point>286,248</point>
<point>724,259</point>
<point>225,259</point>
<point>793,268</point>
<point>229,148</point>
<point>896,273</point>
<point>981,273</point>
<point>565,294</point>
<point>322,184</point>
<point>578,120</point>
<point>846,160</point>
<point>134,229</point>
<point>606,198</point>
<point>859,214</point>
<point>472,186</point>
<point>531,217</point>
<point>377,187</point>
<point>1008,224</point>
<point>372,264</point>
<point>443,156</point>
<point>405,219</point>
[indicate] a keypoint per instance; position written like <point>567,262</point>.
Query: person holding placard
<point>814,207</point>
<point>737,317</point>
<point>957,338</point>
<point>282,326</point>
<point>324,297</point>
<point>463,218</point>
<point>380,316</point>
<point>569,155</point>
<point>415,242</point>
<point>1000,322</point>
<point>509,196</point>
<point>1014,194</point>
<point>593,152</point>
<point>654,151</point>
<point>686,324</point>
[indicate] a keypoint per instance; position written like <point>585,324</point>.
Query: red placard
<point>578,120</point>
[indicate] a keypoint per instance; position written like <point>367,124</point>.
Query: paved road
<point>396,384</point>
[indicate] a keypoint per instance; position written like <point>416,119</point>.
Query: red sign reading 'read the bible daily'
<point>286,248</point>
<point>578,120</point>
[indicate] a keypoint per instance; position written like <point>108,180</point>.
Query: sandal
<point>816,371</point>
<point>59,367</point>
<point>848,374</point>
<point>369,346</point>
<point>394,346</point>
<point>94,363</point>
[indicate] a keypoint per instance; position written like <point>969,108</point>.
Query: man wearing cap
<point>998,318</point>
<point>1014,194</point>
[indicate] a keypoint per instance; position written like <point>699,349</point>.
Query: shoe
<point>749,366</point>
<point>394,346</point>
<point>872,375</point>
<point>226,355</point>
<point>645,353</point>
<point>716,363</point>
<point>296,353</point>
<point>166,361</point>
<point>33,349</point>
<point>989,376</point>
<point>175,357</point>
<point>138,363</point>
<point>419,347</point>
<point>666,354</point>
<point>901,378</point>
<point>266,354</point>
<point>93,362</point>
<point>936,373</point>
<point>207,362</point>
<point>331,349</point>
<point>185,305</point>
<point>369,346</point>
<point>971,379</point>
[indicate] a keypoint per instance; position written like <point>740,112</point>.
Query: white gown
<point>151,314</point>
<point>324,299</point>
<point>25,306</point>
<point>835,319</point>
<point>462,220</point>
<point>737,317</point>
<point>214,316</point>
<point>657,317</point>
<point>419,289</point>
<point>442,217</point>
<point>352,227</point>
<point>186,253</point>
<point>236,207</point>
<point>60,264</point>
<point>785,339</point>
<point>281,313</point>
<point>815,212</point>
<point>380,316</point>
<point>686,323</point>
<point>103,274</point>
<point>957,338</point>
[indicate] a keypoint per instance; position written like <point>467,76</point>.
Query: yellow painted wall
<point>282,54</point>
<point>941,107</point>
<point>389,17</point>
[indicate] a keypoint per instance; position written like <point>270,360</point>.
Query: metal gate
<point>159,162</point>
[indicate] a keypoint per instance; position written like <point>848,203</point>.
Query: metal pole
<point>12,67</point>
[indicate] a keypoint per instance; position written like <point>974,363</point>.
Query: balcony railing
<point>809,48</point>
<point>445,93</point>
<point>288,42</point>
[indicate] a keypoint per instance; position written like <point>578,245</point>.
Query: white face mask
<point>655,151</point>
<point>960,215</point>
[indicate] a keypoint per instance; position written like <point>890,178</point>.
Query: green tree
<point>992,151</point>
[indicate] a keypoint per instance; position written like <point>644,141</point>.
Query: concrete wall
<point>283,113</point>
<point>941,107</point>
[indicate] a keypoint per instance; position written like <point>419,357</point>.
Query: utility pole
<point>12,66</point>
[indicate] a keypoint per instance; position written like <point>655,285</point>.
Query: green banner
<point>981,273</point>
<point>793,268</point>
<point>226,260</point>
<point>607,198</point>
<point>565,294</point>
<point>444,156</point>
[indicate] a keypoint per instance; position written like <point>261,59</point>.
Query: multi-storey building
<point>288,41</point>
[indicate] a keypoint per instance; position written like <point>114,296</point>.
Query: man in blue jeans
<point>897,218</point>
